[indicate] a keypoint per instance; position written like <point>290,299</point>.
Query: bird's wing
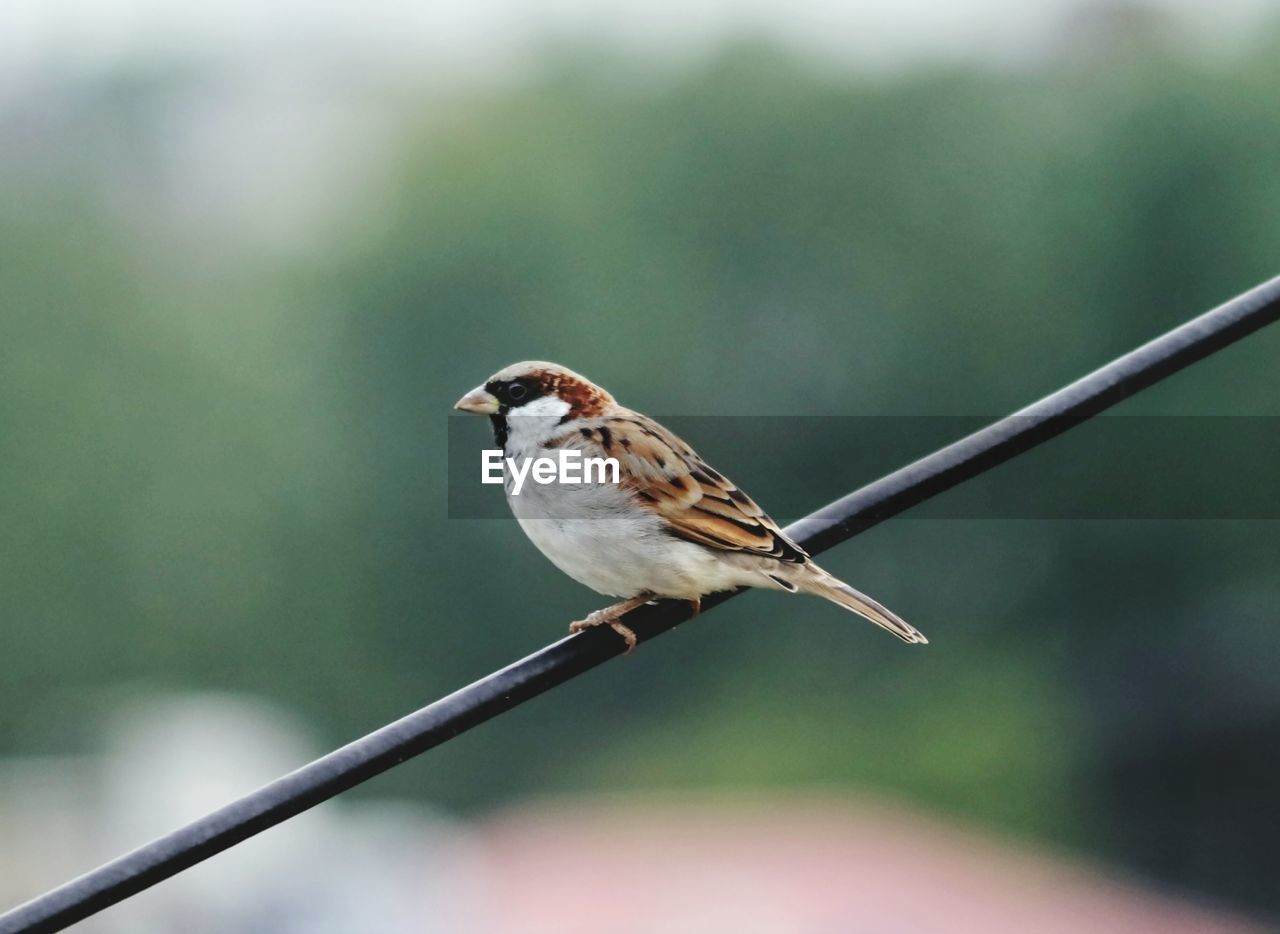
<point>696,501</point>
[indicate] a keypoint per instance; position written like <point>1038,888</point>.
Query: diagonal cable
<point>511,686</point>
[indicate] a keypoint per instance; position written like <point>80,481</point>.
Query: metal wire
<point>446,718</point>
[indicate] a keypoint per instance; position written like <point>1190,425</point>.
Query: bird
<point>671,526</point>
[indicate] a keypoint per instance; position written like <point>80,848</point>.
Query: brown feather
<point>697,502</point>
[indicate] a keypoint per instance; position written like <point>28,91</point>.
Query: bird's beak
<point>478,402</point>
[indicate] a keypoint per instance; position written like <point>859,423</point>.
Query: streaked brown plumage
<point>672,527</point>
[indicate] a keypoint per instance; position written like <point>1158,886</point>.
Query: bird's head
<point>535,388</point>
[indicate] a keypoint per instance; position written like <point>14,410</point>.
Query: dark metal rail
<point>560,661</point>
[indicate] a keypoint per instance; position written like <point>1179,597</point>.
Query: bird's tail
<point>837,591</point>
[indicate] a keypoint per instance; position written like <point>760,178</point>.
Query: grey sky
<point>484,35</point>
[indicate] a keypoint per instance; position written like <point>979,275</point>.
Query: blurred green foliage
<point>231,474</point>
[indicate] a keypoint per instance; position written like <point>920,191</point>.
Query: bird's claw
<point>609,617</point>
<point>628,635</point>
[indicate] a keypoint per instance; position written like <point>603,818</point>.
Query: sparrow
<point>670,527</point>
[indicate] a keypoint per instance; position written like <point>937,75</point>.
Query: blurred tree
<point>242,485</point>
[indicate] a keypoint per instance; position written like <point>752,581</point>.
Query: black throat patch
<point>500,430</point>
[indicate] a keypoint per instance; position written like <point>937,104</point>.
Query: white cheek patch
<point>530,425</point>
<point>546,407</point>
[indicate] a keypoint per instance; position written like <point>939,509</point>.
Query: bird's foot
<point>609,616</point>
<point>696,605</point>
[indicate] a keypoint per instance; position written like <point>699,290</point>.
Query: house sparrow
<point>671,526</point>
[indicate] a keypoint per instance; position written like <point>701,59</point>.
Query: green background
<point>226,469</point>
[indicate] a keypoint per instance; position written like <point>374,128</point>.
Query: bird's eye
<point>517,391</point>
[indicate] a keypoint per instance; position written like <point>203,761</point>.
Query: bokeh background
<point>250,255</point>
